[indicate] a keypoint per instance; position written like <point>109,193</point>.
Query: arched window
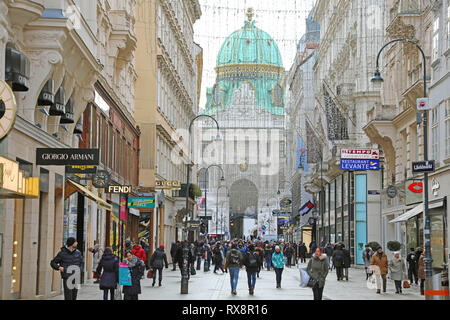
<point>277,95</point>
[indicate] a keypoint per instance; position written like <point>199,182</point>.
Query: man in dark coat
<point>109,279</point>
<point>288,252</point>
<point>338,262</point>
<point>179,258</point>
<point>156,262</point>
<point>347,260</point>
<point>69,262</point>
<point>251,266</point>
<point>302,251</point>
<point>412,266</point>
<point>199,251</point>
<point>173,252</point>
<point>329,252</point>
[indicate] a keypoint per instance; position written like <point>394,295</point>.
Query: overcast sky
<point>284,20</point>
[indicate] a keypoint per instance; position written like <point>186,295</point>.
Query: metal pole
<point>428,257</point>
<point>184,273</point>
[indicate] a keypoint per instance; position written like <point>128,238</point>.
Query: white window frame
<point>435,39</point>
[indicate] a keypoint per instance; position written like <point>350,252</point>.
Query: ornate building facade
<point>248,102</point>
<point>56,56</point>
<point>169,68</point>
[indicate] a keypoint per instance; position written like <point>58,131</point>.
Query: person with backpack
<point>234,261</point>
<point>251,266</point>
<point>156,263</point>
<point>278,261</point>
<point>338,262</point>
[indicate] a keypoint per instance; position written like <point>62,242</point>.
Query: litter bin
<point>438,289</point>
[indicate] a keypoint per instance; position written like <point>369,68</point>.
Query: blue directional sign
<point>360,164</point>
<point>263,228</point>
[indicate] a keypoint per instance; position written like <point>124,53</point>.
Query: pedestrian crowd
<point>120,280</point>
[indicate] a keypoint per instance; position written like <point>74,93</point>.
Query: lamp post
<point>378,79</point>
<point>184,273</point>
<point>206,189</point>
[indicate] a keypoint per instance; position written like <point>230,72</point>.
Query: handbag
<point>118,293</point>
<point>406,284</point>
<point>311,283</point>
<point>193,272</point>
<point>150,273</point>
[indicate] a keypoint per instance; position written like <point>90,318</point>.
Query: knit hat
<point>70,241</point>
<point>277,247</point>
<point>161,246</point>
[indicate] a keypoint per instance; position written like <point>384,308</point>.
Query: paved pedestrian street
<point>210,286</point>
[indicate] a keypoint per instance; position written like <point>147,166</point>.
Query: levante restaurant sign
<point>67,157</point>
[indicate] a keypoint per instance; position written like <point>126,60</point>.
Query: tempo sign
<point>118,189</point>
<point>369,154</point>
<point>423,166</point>
<point>67,157</point>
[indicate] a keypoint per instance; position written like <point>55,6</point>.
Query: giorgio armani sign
<point>67,157</point>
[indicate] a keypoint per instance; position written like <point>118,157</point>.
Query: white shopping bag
<point>304,278</point>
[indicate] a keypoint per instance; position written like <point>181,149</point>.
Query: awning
<point>417,210</point>
<point>134,211</point>
<point>87,193</point>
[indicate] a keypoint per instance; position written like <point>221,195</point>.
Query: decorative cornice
<point>37,134</point>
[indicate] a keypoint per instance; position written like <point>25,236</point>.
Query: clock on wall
<point>8,109</point>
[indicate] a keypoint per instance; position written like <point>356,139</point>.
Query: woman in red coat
<point>139,252</point>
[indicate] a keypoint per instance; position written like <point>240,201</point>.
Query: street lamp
<point>184,273</point>
<point>217,204</point>
<point>377,79</point>
<point>206,189</point>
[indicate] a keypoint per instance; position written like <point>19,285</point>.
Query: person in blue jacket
<point>278,261</point>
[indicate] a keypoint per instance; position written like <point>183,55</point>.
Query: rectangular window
<point>159,88</point>
<point>435,134</point>
<point>447,128</point>
<point>435,38</point>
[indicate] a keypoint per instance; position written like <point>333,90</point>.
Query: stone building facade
<point>167,93</point>
<point>66,47</point>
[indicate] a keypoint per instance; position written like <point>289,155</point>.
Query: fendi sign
<point>118,189</point>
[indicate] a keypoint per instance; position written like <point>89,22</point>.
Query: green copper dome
<point>250,62</point>
<point>249,45</point>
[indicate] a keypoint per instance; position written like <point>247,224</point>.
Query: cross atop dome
<point>250,14</point>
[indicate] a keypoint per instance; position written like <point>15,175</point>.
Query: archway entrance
<point>243,207</point>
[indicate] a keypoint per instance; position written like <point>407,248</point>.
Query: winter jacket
<point>347,258</point>
<point>289,252</point>
<point>421,265</point>
<point>139,252</point>
<point>317,269</point>
<point>411,259</point>
<point>229,262</point>
<point>278,260</point>
<point>247,256</point>
<point>199,250</point>
<point>173,250</point>
<point>97,256</point>
<point>137,268</point>
<point>328,251</point>
<point>158,259</point>
<point>179,256</point>
<point>217,255</point>
<point>302,250</point>
<point>66,258</point>
<point>397,268</point>
<point>338,258</point>
<point>381,263</point>
<point>367,257</point>
<point>110,266</point>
